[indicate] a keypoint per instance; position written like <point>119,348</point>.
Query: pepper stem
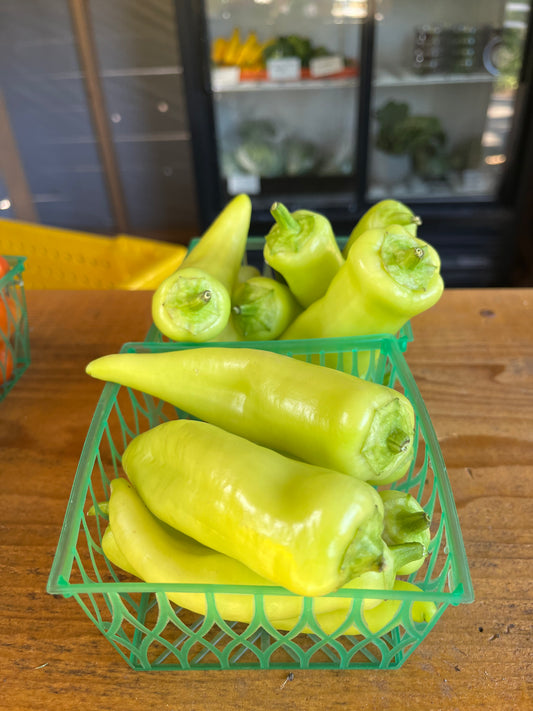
<point>412,522</point>
<point>410,258</point>
<point>252,318</point>
<point>398,441</point>
<point>284,218</point>
<point>405,553</point>
<point>388,446</point>
<point>410,262</point>
<point>199,300</point>
<point>254,309</point>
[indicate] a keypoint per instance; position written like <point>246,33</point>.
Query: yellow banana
<point>218,50</point>
<point>233,48</point>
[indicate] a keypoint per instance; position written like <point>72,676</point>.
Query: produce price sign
<point>284,69</point>
<point>240,183</point>
<point>326,66</point>
<point>224,77</point>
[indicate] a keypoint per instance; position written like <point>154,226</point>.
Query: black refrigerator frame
<point>483,242</point>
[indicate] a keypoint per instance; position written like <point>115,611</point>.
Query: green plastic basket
<point>254,257</point>
<point>149,632</point>
<point>14,336</point>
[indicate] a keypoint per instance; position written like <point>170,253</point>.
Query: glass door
<point>284,79</point>
<point>443,97</point>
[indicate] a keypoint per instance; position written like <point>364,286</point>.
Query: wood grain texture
<point>473,360</point>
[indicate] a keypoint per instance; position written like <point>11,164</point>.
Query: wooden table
<point>473,359</point>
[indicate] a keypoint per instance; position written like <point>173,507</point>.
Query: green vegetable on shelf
<point>302,247</point>
<point>294,45</point>
<point>383,214</point>
<point>389,276</point>
<point>305,528</point>
<point>260,157</point>
<point>262,308</point>
<point>301,157</point>
<point>302,47</point>
<point>289,46</point>
<point>405,521</point>
<point>421,137</point>
<point>258,130</point>
<point>323,416</point>
<point>142,545</point>
<point>194,303</point>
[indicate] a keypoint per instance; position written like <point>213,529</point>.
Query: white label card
<point>222,77</point>
<point>324,66</point>
<point>240,183</point>
<point>284,69</point>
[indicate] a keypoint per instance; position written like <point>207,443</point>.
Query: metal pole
<point>81,21</point>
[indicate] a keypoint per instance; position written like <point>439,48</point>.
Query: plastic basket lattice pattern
<point>150,632</point>
<point>14,337</point>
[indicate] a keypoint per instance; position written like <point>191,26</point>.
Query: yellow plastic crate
<point>62,259</point>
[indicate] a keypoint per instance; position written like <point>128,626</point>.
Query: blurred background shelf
<point>112,120</point>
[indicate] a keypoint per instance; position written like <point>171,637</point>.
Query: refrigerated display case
<point>333,105</point>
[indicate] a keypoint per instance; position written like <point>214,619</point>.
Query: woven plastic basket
<point>14,332</point>
<point>149,632</point>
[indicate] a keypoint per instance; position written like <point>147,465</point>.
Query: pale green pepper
<point>302,247</point>
<point>262,308</point>
<point>246,271</point>
<point>389,277</point>
<point>305,528</point>
<point>318,414</point>
<point>140,544</point>
<point>383,214</point>
<point>194,303</point>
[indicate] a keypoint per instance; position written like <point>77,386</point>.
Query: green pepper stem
<point>405,553</point>
<point>411,263</point>
<point>416,220</point>
<point>412,522</point>
<point>252,318</point>
<point>284,218</point>
<point>199,300</point>
<point>245,309</point>
<point>398,441</point>
<point>410,258</point>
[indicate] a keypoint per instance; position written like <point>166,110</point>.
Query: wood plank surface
<point>472,357</point>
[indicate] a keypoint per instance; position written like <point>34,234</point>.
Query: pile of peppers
<point>310,288</point>
<point>276,481</point>
<point>281,477</point>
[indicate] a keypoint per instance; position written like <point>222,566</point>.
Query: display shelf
<point>404,77</point>
<point>246,86</point>
<point>383,80</point>
<point>224,80</point>
<point>425,190</point>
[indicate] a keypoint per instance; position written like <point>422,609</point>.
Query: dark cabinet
<point>333,105</point>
